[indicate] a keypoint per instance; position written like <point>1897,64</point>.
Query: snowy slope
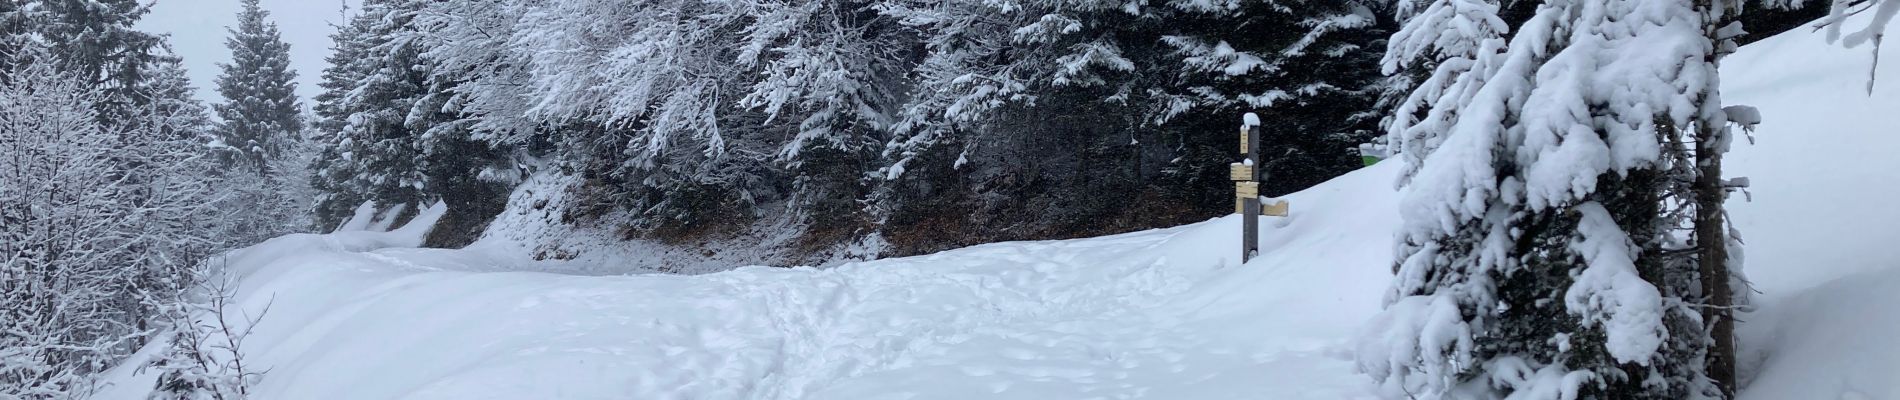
<point>1162,314</point>
<point>1822,231</point>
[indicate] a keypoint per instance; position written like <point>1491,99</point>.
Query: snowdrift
<point>1162,314</point>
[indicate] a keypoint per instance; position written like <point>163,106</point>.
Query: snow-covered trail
<point>1157,314</point>
<point>1163,314</point>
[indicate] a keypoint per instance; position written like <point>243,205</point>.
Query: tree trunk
<point>1711,228</point>
<point>1711,232</point>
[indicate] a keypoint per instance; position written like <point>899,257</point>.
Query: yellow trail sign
<point>1242,192</point>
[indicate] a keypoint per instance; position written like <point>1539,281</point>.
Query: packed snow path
<point>1164,314</point>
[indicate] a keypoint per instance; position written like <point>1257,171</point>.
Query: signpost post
<point>1247,175</point>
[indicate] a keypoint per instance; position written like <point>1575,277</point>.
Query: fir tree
<point>1442,70</point>
<point>1313,80</point>
<point>375,153</point>
<point>856,112</point>
<point>331,173</point>
<point>1025,95</point>
<point>260,109</point>
<point>1541,255</point>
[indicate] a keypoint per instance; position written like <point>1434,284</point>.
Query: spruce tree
<point>261,126</point>
<point>260,108</point>
<point>336,198</point>
<point>1048,103</point>
<point>1541,254</point>
<point>1309,70</point>
<point>376,155</point>
<point>1441,71</point>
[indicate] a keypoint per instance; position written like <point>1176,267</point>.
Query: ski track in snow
<point>1162,314</point>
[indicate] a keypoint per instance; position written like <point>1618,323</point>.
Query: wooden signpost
<point>1247,175</point>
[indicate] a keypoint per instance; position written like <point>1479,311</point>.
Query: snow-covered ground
<point>1822,230</point>
<point>1162,314</point>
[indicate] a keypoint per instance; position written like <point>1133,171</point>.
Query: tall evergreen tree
<point>336,198</point>
<point>1450,66</point>
<point>377,156</point>
<point>1311,76</point>
<point>260,108</point>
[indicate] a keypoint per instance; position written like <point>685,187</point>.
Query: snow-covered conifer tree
<point>672,129</point>
<point>401,135</point>
<point>262,124</point>
<point>669,139</point>
<point>331,172</point>
<point>1455,63</point>
<point>1035,91</point>
<point>375,154</point>
<point>260,109</point>
<point>702,115</point>
<point>1540,257</point>
<point>1313,78</point>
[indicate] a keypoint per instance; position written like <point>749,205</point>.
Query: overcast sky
<point>197,29</point>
